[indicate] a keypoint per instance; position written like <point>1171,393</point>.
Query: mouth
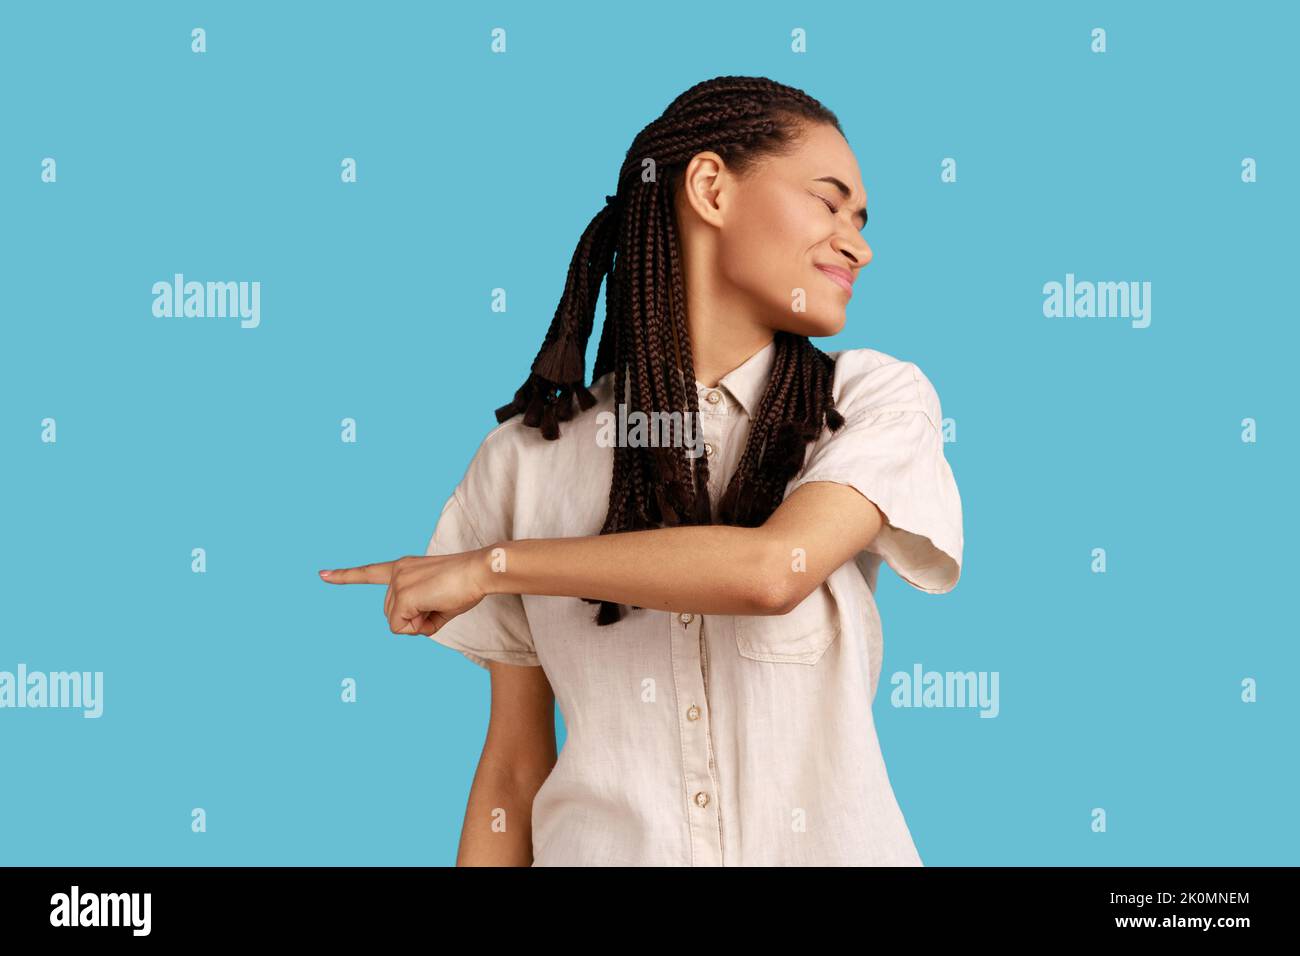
<point>838,277</point>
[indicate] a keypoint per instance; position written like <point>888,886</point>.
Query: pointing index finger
<point>379,573</point>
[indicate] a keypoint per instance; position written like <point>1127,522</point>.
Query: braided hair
<point>644,340</point>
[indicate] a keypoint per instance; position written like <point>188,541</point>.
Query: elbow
<point>794,593</point>
<point>776,587</point>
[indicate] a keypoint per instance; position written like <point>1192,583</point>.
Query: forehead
<point>822,151</point>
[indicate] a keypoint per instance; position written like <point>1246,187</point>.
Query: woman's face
<point>787,228</point>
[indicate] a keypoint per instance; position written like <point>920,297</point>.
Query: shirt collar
<point>747,381</point>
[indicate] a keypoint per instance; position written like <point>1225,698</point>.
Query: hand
<point>424,593</point>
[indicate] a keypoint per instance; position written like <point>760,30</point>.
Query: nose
<point>854,248</point>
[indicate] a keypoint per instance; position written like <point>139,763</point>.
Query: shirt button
<point>713,397</point>
<point>685,617</point>
<point>693,712</point>
<point>708,449</point>
<point>701,799</point>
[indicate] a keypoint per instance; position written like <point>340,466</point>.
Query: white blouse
<point>716,740</point>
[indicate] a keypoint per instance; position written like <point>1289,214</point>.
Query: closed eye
<point>829,204</point>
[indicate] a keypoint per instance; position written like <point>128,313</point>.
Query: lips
<point>840,277</point>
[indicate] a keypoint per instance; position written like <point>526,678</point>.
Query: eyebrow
<point>845,192</point>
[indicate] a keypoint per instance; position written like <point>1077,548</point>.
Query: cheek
<point>766,250</point>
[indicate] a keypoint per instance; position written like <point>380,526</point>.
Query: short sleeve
<point>891,451</point>
<point>495,629</point>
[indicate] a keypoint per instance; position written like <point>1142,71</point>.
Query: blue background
<point>1118,690</point>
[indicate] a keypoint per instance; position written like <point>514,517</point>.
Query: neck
<point>722,324</point>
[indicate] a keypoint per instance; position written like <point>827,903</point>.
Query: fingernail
<point>324,574</point>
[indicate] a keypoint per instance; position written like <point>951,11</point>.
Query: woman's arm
<point>709,569</point>
<point>517,758</point>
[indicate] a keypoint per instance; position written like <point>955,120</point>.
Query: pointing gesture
<point>424,593</point>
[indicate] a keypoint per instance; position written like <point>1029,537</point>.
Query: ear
<point>707,185</point>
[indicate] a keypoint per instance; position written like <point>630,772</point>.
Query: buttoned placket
<point>704,822</point>
<point>716,409</point>
<point>690,672</point>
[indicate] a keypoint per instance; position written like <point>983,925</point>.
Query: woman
<point>718,699</point>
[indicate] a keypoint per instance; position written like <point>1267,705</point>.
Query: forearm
<point>498,829</point>
<point>708,569</point>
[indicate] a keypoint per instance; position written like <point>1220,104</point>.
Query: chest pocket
<point>799,637</point>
